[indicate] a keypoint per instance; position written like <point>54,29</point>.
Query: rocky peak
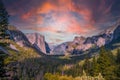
<point>79,40</point>
<point>60,49</point>
<point>37,40</point>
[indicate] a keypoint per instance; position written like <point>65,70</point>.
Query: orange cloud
<point>61,15</point>
<point>29,14</point>
<point>85,13</point>
<point>76,28</point>
<point>26,16</point>
<point>68,24</point>
<point>45,8</point>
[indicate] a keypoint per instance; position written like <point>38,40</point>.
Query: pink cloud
<point>45,8</point>
<point>61,14</point>
<point>27,15</point>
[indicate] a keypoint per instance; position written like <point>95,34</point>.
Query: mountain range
<point>82,44</point>
<point>78,46</point>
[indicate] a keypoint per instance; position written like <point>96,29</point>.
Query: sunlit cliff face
<point>61,20</point>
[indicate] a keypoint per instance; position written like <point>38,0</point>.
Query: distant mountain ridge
<point>82,44</point>
<point>77,46</point>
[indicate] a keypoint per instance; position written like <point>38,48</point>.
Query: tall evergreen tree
<point>106,64</point>
<point>87,66</point>
<point>94,70</point>
<point>3,37</point>
<point>3,22</point>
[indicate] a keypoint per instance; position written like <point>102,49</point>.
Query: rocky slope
<point>82,44</point>
<point>18,37</point>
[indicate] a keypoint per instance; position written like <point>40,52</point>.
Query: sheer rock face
<point>37,40</point>
<point>116,33</point>
<point>48,49</point>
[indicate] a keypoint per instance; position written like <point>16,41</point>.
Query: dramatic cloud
<point>62,17</point>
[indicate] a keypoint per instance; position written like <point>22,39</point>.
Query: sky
<point>61,20</point>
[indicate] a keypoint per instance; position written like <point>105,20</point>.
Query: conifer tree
<point>94,71</point>
<point>3,23</point>
<point>106,63</point>
<point>87,66</point>
<point>3,37</point>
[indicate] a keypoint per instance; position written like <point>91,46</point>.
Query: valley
<point>59,40</point>
<point>29,62</point>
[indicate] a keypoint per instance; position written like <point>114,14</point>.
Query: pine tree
<point>94,70</point>
<point>3,37</point>
<point>87,66</point>
<point>106,64</point>
<point>103,60</point>
<point>3,22</point>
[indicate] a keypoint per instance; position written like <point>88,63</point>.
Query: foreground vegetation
<point>49,76</point>
<point>24,66</point>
